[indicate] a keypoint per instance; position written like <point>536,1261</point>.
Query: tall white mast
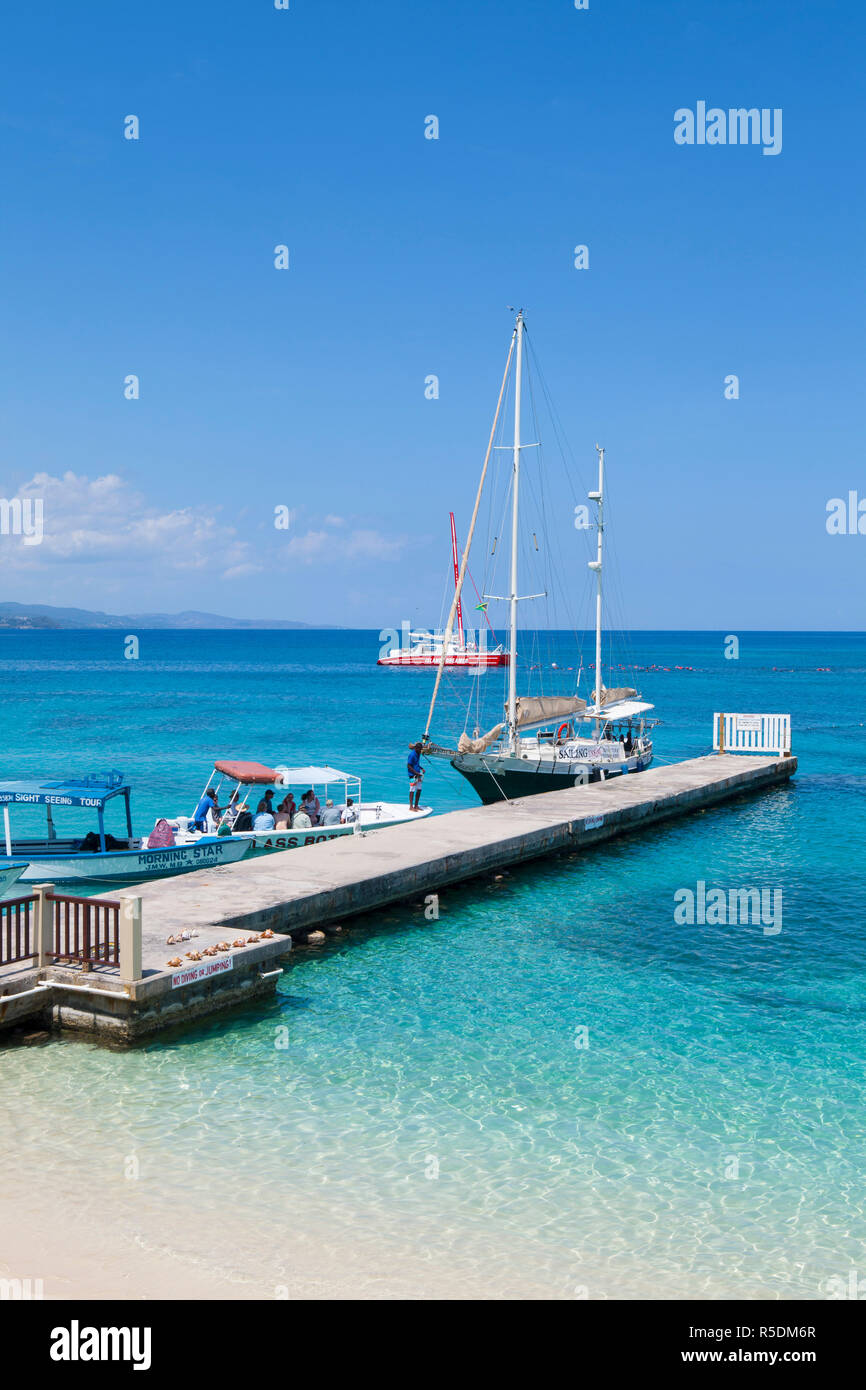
<point>449,627</point>
<point>598,497</point>
<point>515,487</point>
<point>456,564</point>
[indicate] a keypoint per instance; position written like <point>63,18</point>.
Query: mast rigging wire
<point>464,562</point>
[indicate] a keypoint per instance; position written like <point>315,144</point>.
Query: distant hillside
<point>43,615</point>
<point>22,621</point>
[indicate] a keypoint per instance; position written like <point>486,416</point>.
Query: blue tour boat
<point>9,876</point>
<point>96,855</point>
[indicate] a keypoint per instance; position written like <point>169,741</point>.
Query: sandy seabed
<point>91,1250</point>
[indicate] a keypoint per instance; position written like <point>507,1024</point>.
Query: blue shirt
<point>414,763</point>
<point>206,804</point>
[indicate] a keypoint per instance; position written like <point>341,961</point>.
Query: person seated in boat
<point>266,806</point>
<point>302,820</point>
<point>331,814</point>
<point>349,812</point>
<point>311,804</point>
<point>286,812</point>
<point>91,843</point>
<point>244,819</point>
<point>230,813</point>
<point>207,803</point>
<point>264,820</point>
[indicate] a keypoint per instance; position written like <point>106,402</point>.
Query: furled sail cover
<point>478,745</point>
<point>542,709</point>
<point>612,697</point>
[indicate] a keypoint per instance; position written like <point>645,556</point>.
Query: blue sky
<point>305,387</point>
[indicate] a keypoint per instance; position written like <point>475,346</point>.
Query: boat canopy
<point>289,776</point>
<point>621,709</point>
<point>92,791</point>
<point>250,773</point>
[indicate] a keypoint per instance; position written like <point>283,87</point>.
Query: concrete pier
<point>100,1001</point>
<point>303,889</point>
<point>306,888</point>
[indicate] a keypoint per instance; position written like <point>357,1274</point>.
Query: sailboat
<point>429,648</point>
<point>545,743</point>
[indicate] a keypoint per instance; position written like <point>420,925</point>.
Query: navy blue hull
<point>508,786</point>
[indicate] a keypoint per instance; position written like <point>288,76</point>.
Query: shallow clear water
<point>433,1120</point>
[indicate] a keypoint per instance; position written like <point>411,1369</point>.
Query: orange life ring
<point>559,733</point>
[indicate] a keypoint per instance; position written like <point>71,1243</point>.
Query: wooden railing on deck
<point>16,930</point>
<point>86,930</point>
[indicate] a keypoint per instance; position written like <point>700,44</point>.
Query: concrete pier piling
<point>307,890</point>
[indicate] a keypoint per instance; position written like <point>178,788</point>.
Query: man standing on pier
<point>416,773</point>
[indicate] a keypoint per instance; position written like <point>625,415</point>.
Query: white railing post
<point>129,937</point>
<point>43,924</point>
<point>752,733</point>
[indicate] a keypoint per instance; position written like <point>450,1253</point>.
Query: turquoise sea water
<point>433,1120</point>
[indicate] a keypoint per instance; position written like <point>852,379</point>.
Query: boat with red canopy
<point>240,785</point>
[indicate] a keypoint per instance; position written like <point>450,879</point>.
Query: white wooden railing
<point>753,733</point>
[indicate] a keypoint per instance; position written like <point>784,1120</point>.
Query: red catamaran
<point>425,648</point>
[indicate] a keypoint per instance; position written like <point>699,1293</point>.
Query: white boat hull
<point>472,661</point>
<point>9,876</point>
<point>373,817</point>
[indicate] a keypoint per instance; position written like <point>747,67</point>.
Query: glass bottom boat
<point>241,786</point>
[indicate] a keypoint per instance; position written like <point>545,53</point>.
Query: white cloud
<point>371,545</point>
<point>241,571</point>
<point>89,521</point>
<point>338,547</point>
<point>106,533</point>
<point>312,545</point>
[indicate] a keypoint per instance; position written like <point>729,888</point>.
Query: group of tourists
<point>288,815</point>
